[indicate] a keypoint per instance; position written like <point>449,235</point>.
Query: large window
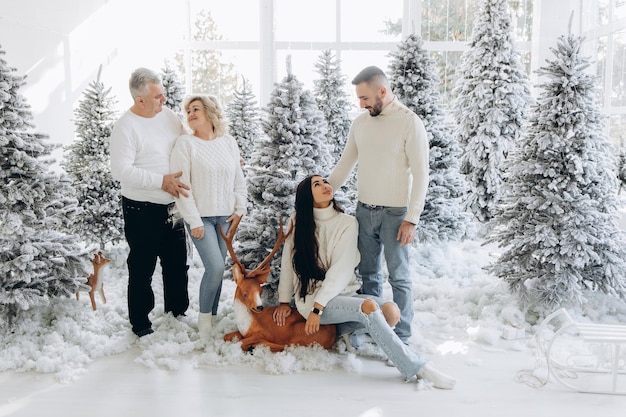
<point>236,39</point>
<point>604,29</point>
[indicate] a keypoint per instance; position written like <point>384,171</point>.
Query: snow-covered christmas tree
<point>87,164</point>
<point>39,259</point>
<point>174,90</point>
<point>333,101</point>
<point>414,81</point>
<point>295,147</point>
<point>492,95</point>
<point>244,122</point>
<point>558,221</point>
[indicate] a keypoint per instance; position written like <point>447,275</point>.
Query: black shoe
<point>144,332</point>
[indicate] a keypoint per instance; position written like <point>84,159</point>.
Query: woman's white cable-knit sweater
<point>337,235</point>
<point>212,169</point>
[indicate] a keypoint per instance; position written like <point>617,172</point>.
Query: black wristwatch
<point>317,311</point>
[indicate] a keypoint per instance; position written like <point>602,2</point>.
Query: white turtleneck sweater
<point>337,235</point>
<point>211,168</point>
<point>392,154</point>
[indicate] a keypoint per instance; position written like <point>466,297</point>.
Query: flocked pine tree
<point>331,97</point>
<point>558,220</point>
<point>492,95</point>
<point>243,120</point>
<point>416,85</point>
<point>39,259</point>
<point>295,147</point>
<point>87,164</point>
<point>174,90</point>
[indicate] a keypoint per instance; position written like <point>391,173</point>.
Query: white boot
<point>438,378</point>
<point>205,324</point>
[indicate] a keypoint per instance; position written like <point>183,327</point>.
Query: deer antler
<point>228,238</point>
<point>263,267</point>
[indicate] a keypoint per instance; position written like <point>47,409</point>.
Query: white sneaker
<point>437,378</point>
<point>205,324</point>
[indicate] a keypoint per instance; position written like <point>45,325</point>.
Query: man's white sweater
<point>212,169</point>
<point>337,235</point>
<point>140,154</point>
<point>391,150</point>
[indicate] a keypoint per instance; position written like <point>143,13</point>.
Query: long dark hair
<point>305,259</point>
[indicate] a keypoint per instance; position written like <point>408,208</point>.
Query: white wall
<point>59,45</point>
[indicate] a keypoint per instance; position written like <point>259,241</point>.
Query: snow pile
<point>457,304</point>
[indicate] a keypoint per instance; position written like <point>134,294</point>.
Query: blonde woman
<point>209,159</point>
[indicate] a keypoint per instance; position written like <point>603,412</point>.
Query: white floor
<point>118,386</point>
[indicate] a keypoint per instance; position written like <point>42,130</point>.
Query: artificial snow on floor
<point>66,359</point>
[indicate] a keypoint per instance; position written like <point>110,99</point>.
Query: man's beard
<point>377,108</point>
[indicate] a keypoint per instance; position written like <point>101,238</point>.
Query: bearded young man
<point>389,145</point>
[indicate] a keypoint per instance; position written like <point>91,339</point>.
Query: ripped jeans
<point>345,309</point>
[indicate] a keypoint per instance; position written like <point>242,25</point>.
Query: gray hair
<point>212,109</point>
<point>373,76</point>
<point>139,80</point>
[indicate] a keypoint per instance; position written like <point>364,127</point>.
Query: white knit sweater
<point>212,169</point>
<point>140,154</point>
<point>337,235</point>
<point>392,154</point>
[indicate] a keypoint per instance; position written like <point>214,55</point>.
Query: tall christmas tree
<point>294,148</point>
<point>243,120</point>
<point>559,217</point>
<point>415,83</point>
<point>39,259</point>
<point>491,99</point>
<point>87,164</point>
<point>174,90</point>
<point>332,100</point>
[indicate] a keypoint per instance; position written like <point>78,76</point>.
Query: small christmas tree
<point>174,90</point>
<point>415,83</point>
<point>87,164</point>
<point>332,100</point>
<point>491,99</point>
<point>243,119</point>
<point>294,148</point>
<point>39,259</point>
<point>559,217</point>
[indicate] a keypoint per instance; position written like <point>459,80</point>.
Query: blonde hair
<point>212,109</point>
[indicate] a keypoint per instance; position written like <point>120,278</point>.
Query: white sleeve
<point>180,160</point>
<point>343,260</point>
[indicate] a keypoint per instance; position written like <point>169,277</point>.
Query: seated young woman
<point>317,267</point>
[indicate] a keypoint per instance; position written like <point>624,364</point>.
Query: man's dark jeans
<point>151,232</point>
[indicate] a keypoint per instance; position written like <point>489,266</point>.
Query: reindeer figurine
<point>95,280</point>
<point>255,323</point>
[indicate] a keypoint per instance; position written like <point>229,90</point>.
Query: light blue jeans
<point>378,231</point>
<point>212,250</point>
<point>345,311</point>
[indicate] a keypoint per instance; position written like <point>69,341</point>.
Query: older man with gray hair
<point>141,142</point>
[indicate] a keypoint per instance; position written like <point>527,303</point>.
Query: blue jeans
<point>345,309</point>
<point>212,250</point>
<point>378,231</point>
